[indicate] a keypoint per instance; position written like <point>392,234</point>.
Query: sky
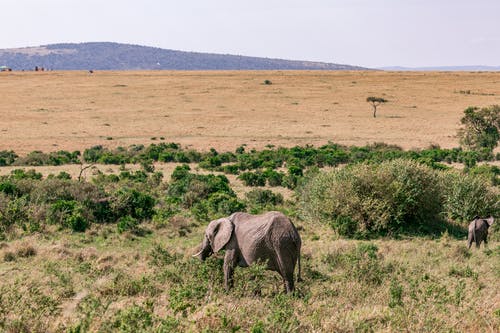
<point>370,33</point>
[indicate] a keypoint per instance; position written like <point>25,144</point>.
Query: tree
<point>481,127</point>
<point>376,101</point>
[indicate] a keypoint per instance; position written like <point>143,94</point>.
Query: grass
<point>105,281</point>
<point>253,112</point>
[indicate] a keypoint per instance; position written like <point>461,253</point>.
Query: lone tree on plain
<point>481,127</point>
<point>376,101</point>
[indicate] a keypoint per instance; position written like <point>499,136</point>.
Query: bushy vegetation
<point>113,253</point>
<point>31,203</point>
<point>481,127</point>
<point>399,196</point>
<point>330,154</point>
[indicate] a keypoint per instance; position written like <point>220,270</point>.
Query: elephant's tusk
<point>197,254</point>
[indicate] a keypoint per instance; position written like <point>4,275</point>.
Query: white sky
<point>370,33</point>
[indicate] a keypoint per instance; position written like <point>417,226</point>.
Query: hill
<point>116,56</point>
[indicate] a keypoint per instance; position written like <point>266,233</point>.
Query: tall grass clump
<point>364,199</point>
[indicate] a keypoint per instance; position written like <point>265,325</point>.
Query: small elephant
<point>270,237</point>
<point>478,231</point>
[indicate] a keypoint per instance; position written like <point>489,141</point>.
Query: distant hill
<point>444,68</point>
<point>115,56</point>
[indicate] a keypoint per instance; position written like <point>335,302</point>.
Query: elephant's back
<point>282,230</point>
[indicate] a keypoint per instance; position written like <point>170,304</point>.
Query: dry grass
<point>102,279</point>
<point>74,110</point>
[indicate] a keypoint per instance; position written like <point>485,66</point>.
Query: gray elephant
<point>270,237</point>
<point>478,231</point>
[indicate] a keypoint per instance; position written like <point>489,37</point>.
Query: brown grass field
<point>223,109</point>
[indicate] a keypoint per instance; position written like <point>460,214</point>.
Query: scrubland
<point>383,227</point>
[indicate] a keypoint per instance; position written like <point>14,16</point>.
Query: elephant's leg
<point>469,241</point>
<point>286,264</point>
<point>289,284</point>
<point>229,263</point>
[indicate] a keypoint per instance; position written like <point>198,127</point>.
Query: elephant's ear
<point>490,220</point>
<point>219,232</point>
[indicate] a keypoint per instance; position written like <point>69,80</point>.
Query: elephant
<point>478,231</point>
<point>270,237</point>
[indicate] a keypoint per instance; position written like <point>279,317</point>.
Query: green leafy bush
<point>131,202</point>
<point>468,195</point>
<point>127,223</point>
<point>256,178</point>
<point>7,157</point>
<point>392,197</point>
<point>261,200</point>
<point>491,172</point>
<point>481,127</point>
<point>217,205</point>
<point>68,214</point>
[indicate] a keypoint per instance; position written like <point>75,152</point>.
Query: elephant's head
<point>217,235</point>
<point>489,221</point>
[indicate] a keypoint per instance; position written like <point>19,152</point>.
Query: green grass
<point>105,281</point>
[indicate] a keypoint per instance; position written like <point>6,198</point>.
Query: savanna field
<point>108,181</point>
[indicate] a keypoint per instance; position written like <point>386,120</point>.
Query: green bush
<point>23,174</point>
<point>127,223</point>
<point>138,205</point>
<point>7,157</point>
<point>256,178</point>
<point>491,172</point>
<point>68,214</point>
<point>274,178</point>
<point>217,205</point>
<point>468,195</point>
<point>481,127</point>
<point>263,200</point>
<point>391,197</point>
<point>188,188</point>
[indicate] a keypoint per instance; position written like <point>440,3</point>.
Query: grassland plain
<point>74,110</point>
<point>105,281</point>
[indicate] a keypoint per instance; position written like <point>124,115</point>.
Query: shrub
<point>189,189</point>
<point>491,172</point>
<point>217,205</point>
<point>274,178</point>
<point>467,195</point>
<point>22,174</point>
<point>392,197</point>
<point>127,223</point>
<point>481,127</point>
<point>253,178</point>
<point>131,202</point>
<point>69,214</point>
<point>15,211</point>
<point>259,200</point>
<point>8,187</point>
<point>7,157</point>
